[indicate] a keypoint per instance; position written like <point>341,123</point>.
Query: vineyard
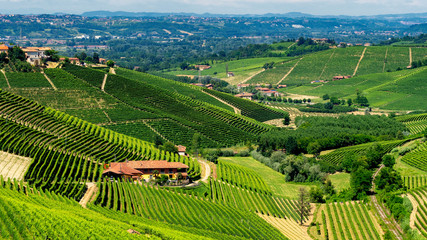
<point>418,157</point>
<point>27,80</point>
<point>412,182</point>
<point>250,109</point>
<point>230,195</point>
<point>418,198</point>
<point>28,213</point>
<point>193,116</point>
<point>416,123</point>
<point>336,156</point>
<point>175,208</point>
<point>242,177</point>
<point>68,151</point>
<point>348,220</point>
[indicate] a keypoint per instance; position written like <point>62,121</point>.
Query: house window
<point>170,171</point>
<point>162,171</point>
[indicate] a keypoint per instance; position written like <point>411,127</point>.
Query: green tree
<point>349,102</point>
<point>15,53</point>
<point>361,182</point>
<point>389,160</point>
<point>110,63</point>
<point>156,173</point>
<point>389,180</point>
<point>316,195</point>
<point>314,148</point>
<point>286,118</point>
<point>325,97</point>
<point>95,57</point>
<point>374,155</point>
<point>303,205</point>
<point>158,141</point>
<point>195,143</point>
<point>170,147</point>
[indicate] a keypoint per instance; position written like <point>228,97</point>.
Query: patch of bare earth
<point>13,166</point>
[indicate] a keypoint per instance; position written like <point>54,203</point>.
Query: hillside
<point>400,90</point>
<point>142,105</point>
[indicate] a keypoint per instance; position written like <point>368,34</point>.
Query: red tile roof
<point>3,47</point>
<point>155,164</point>
<point>121,168</point>
<point>244,95</point>
<point>181,148</point>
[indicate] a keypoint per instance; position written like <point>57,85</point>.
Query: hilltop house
<point>144,170</point>
<point>245,95</point>
<point>35,54</point>
<point>202,67</point>
<point>341,77</point>
<point>4,48</point>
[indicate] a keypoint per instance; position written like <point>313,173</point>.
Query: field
<point>242,69</point>
<point>325,65</point>
<point>412,182</point>
<point>417,158</point>
<point>27,80</point>
<point>275,180</point>
<point>348,220</point>
<point>418,198</point>
<point>400,90</point>
<point>416,123</point>
<point>13,166</point>
<point>336,156</point>
<point>340,181</point>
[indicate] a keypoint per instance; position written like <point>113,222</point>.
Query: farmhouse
<point>202,67</point>
<point>72,60</point>
<point>341,77</point>
<point>4,48</point>
<point>145,170</point>
<point>35,54</point>
<point>245,95</point>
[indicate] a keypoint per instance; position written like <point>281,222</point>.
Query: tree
<point>335,100</point>
<point>328,188</point>
<point>303,205</point>
<point>158,140</point>
<point>110,63</point>
<point>329,105</point>
<point>81,56</point>
<point>286,118</point>
<point>349,102</point>
<point>3,58</point>
<point>314,148</point>
<point>388,160</point>
<point>15,53</point>
<point>170,147</point>
<point>316,195</point>
<point>374,154</point>
<point>95,57</point>
<point>156,173</point>
<point>325,97</point>
<point>361,182</point>
<point>389,180</point>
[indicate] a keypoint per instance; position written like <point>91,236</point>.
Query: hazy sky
<point>317,7</point>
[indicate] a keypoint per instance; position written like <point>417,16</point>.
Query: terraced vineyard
<point>250,109</point>
<point>418,157</point>
<point>418,198</point>
<point>193,115</point>
<point>28,213</point>
<point>241,177</point>
<point>336,156</point>
<point>416,123</point>
<point>412,182</point>
<point>348,220</point>
<point>68,151</point>
<point>174,208</point>
<point>230,195</point>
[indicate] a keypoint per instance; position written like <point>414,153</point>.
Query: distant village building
<point>35,54</point>
<point>281,86</point>
<point>72,60</point>
<point>230,74</point>
<point>340,77</point>
<point>4,48</point>
<point>144,170</point>
<point>320,40</point>
<point>245,95</point>
<point>242,85</point>
<point>367,44</point>
<point>181,150</point>
<point>202,67</point>
<point>271,93</point>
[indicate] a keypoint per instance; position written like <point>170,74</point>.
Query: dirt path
<point>391,224</point>
<point>236,110</point>
<point>5,77</point>
<point>360,60</point>
<point>207,170</point>
<point>410,56</point>
<point>385,59</point>
<point>13,166</point>
<point>91,190</point>
<point>375,175</point>
<point>326,64</point>
<point>154,130</point>
<point>104,82</point>
<point>50,82</point>
<point>289,72</point>
<point>414,211</point>
<point>112,71</point>
<point>252,76</point>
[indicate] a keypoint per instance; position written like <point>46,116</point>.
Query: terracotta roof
<point>181,148</point>
<point>121,168</point>
<point>244,95</point>
<point>3,47</point>
<point>155,164</point>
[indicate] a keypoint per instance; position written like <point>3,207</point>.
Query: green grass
<point>242,69</point>
<point>340,181</point>
<point>274,179</point>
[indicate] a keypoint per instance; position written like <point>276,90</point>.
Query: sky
<point>316,7</point>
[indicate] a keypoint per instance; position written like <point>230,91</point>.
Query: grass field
<point>340,181</point>
<point>242,69</point>
<point>401,90</point>
<point>274,179</point>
